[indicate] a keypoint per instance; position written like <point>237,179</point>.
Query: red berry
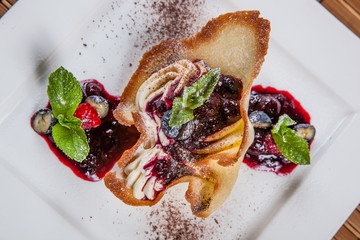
<point>88,115</point>
<point>270,145</point>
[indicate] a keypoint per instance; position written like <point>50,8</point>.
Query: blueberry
<point>100,104</point>
<point>186,131</point>
<point>42,121</point>
<point>91,88</point>
<point>260,119</point>
<point>305,131</point>
<point>171,132</point>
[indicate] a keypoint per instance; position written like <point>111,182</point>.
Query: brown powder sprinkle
<point>169,222</point>
<point>171,219</point>
<point>165,20</point>
<point>147,22</point>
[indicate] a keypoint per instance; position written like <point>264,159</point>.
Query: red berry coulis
<point>263,154</point>
<point>107,142</point>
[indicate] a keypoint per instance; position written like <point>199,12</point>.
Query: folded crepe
<point>206,156</point>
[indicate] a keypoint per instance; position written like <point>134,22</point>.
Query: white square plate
<point>105,40</point>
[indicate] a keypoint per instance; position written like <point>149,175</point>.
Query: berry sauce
<point>263,154</point>
<point>219,110</point>
<point>107,142</point>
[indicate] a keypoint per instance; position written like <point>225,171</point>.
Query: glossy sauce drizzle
<point>263,154</point>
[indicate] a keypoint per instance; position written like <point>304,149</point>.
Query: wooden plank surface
<point>348,12</point>
<point>351,228</point>
<point>12,2</point>
<point>6,3</point>
<point>354,221</point>
<point>355,4</point>
<point>3,9</point>
<point>344,233</point>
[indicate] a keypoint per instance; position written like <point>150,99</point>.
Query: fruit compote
<point>263,154</point>
<point>219,110</point>
<point>107,141</point>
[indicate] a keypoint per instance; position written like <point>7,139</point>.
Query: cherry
<point>230,108</point>
<point>229,87</point>
<point>91,87</point>
<point>270,105</point>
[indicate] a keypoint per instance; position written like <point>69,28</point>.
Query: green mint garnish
<point>193,97</point>
<point>65,95</point>
<point>72,141</point>
<point>292,146</point>
<point>69,122</point>
<point>64,92</point>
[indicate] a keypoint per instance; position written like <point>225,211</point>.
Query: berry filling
<point>219,111</point>
<point>106,137</point>
<point>267,104</point>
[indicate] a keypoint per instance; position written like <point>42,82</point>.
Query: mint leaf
<point>292,146</point>
<point>72,141</point>
<point>193,97</point>
<point>283,122</point>
<point>180,114</point>
<point>65,95</point>
<point>69,121</point>
<point>64,92</point>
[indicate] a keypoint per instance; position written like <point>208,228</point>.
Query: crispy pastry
<point>206,156</point>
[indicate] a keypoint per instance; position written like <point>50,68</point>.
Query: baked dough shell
<point>237,44</point>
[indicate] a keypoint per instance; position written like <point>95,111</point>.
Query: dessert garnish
<point>291,145</point>
<point>193,97</point>
<point>79,126</point>
<point>192,117</point>
<point>65,95</point>
<point>283,132</point>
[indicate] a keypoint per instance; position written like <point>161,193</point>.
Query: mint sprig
<point>72,141</point>
<point>193,97</point>
<point>292,146</point>
<point>65,95</point>
<point>64,92</point>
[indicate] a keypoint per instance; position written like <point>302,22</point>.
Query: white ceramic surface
<point>311,54</point>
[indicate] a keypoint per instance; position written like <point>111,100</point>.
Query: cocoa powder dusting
<point>166,20</point>
<point>168,221</point>
<point>170,20</point>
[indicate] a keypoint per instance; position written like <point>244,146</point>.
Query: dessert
<point>189,100</point>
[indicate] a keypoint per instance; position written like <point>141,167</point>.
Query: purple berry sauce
<point>263,154</point>
<point>107,142</point>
